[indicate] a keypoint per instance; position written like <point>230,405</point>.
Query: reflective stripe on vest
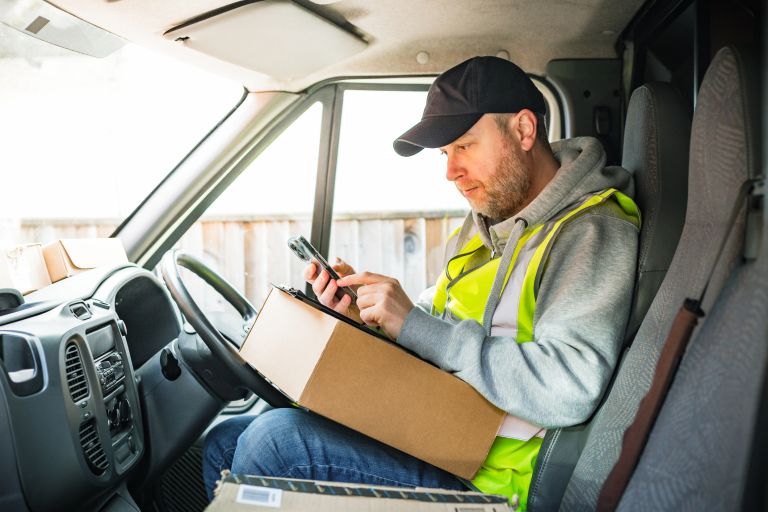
<point>461,293</point>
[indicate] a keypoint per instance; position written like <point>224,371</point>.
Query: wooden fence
<point>251,252</point>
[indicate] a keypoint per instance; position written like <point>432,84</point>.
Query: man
<point>530,309</point>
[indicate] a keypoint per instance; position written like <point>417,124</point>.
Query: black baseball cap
<point>460,96</point>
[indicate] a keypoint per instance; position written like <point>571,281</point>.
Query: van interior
<point>279,122</point>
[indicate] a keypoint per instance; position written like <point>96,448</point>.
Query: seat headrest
<point>724,147</point>
<point>656,138</point>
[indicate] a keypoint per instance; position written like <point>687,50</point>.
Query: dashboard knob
<point>113,416</point>
<point>169,365</point>
<point>124,410</point>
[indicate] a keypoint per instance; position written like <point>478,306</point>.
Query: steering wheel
<point>222,348</point>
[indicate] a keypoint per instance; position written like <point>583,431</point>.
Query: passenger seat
<point>699,437</point>
<point>698,451</point>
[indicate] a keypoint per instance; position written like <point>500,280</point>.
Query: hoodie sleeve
<point>582,309</point>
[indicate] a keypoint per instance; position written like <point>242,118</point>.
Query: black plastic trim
<point>701,46</point>
<point>651,19</point>
<point>326,172</point>
<point>31,345</point>
<point>323,12</point>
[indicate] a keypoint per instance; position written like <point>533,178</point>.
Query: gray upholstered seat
<point>656,141</point>
<point>720,160</point>
<point>702,437</point>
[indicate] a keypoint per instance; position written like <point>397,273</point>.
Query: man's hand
<point>382,301</point>
<point>325,288</point>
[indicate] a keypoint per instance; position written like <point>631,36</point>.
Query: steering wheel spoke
<point>224,349</point>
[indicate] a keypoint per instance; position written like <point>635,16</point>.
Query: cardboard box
<point>249,493</point>
<point>23,268</point>
<point>370,385</point>
<point>65,258</point>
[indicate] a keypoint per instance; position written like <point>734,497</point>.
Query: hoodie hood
<point>582,172</point>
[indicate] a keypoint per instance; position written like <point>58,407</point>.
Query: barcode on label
<point>263,496</point>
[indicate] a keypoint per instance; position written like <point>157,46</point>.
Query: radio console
<point>110,371</point>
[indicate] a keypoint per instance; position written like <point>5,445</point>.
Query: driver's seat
<point>656,142</point>
<point>722,158</point>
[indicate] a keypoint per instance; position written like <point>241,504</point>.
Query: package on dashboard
<point>23,268</point>
<point>67,257</point>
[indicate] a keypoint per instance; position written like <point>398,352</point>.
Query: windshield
<point>86,139</point>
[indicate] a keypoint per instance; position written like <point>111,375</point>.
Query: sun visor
<point>43,21</point>
<point>275,37</point>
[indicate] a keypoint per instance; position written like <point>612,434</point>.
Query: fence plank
<point>261,263</point>
<point>370,246</point>
<point>414,269</point>
<point>434,238</point>
<point>344,242</point>
<point>277,264</point>
<point>391,250</point>
<point>233,254</point>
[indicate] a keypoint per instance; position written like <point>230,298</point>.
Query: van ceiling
<point>532,32</point>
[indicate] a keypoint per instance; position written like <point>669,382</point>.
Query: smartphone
<point>307,252</point>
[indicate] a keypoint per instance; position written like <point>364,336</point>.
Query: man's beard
<point>507,190</point>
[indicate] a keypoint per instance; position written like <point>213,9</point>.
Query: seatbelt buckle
<point>694,307</point>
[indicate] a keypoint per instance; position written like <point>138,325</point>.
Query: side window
<point>391,214</point>
<point>243,233</point>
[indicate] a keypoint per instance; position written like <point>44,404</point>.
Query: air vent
<point>76,380</point>
<point>94,454</point>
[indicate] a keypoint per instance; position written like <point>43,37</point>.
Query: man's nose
<point>453,170</point>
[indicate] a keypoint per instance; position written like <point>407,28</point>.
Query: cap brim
<point>434,132</point>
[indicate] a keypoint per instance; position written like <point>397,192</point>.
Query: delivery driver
<point>530,309</point>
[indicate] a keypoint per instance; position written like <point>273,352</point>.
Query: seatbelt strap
<point>672,352</point>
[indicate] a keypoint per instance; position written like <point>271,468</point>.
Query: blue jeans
<point>293,443</point>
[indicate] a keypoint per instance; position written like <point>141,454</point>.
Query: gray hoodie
<point>582,307</point>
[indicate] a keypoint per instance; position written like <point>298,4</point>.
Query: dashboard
<point>85,408</point>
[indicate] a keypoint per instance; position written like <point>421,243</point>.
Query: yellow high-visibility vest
<point>462,293</point>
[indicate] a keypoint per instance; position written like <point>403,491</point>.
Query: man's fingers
<point>343,304</point>
<point>370,317</point>
<point>310,273</point>
<point>328,296</point>
<point>363,278</point>
<point>318,286</point>
<point>342,267</point>
<point>368,296</point>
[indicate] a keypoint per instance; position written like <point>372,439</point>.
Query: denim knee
<point>219,448</point>
<point>298,444</point>
<point>271,444</point>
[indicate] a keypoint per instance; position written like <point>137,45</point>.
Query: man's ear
<point>526,129</point>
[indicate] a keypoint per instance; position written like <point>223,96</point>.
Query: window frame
<point>331,96</point>
<point>322,216</point>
